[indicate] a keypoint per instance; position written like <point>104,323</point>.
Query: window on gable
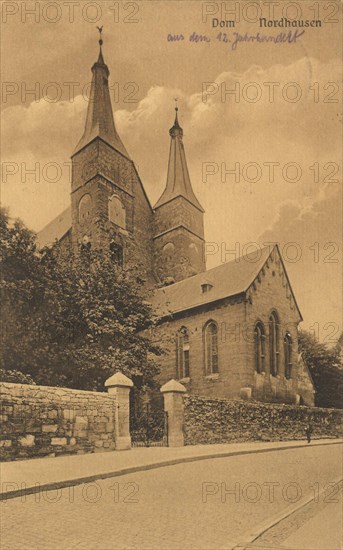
<point>287,343</point>
<point>206,287</point>
<point>274,343</point>
<point>211,348</point>
<point>182,353</point>
<point>260,347</point>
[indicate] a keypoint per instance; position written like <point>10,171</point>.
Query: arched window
<point>274,343</point>
<point>287,346</point>
<point>260,347</point>
<point>168,253</point>
<point>182,353</point>
<point>116,211</point>
<point>169,248</point>
<point>211,348</point>
<point>85,206</point>
<point>117,254</point>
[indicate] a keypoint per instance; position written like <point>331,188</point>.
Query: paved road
<point>186,506</point>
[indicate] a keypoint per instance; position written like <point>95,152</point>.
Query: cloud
<point>313,236</point>
<point>320,221</point>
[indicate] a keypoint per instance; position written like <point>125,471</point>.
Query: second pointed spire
<point>178,180</point>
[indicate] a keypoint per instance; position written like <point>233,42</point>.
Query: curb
<point>4,496</point>
<point>250,537</point>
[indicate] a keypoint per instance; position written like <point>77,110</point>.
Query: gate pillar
<point>173,405</point>
<point>119,386</point>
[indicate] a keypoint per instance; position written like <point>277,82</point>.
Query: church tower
<point>110,210</point>
<point>179,224</point>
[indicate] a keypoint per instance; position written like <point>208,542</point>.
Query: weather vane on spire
<point>100,33</point>
<point>176,122</point>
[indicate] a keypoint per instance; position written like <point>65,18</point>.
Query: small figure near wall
<point>309,431</point>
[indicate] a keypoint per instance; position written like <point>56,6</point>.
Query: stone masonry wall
<point>209,421</point>
<point>99,171</point>
<point>231,350</point>
<point>236,319</point>
<point>179,240</point>
<point>270,292</point>
<point>43,420</point>
<point>178,254</point>
<point>178,212</point>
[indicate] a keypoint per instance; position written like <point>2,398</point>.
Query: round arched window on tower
<point>168,250</point>
<point>85,208</point>
<point>116,211</point>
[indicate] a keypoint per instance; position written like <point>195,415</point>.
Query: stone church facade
<point>229,332</point>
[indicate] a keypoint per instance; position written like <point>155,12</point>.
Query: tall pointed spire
<point>100,58</point>
<point>178,180</point>
<point>99,120</point>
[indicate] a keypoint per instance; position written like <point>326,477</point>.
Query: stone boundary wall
<point>38,421</point>
<point>209,421</point>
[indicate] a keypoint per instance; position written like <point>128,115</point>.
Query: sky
<point>265,162</point>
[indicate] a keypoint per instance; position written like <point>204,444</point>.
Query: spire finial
<point>176,123</point>
<point>178,181</point>
<point>100,33</point>
<point>100,59</point>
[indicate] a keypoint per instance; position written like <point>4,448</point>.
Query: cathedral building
<point>229,332</point>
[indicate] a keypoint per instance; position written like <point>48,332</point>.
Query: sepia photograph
<point>171,372</point>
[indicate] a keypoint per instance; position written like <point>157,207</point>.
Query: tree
<point>339,347</point>
<point>16,377</point>
<point>326,370</point>
<point>76,317</point>
<point>22,292</point>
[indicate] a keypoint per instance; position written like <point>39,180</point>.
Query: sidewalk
<point>325,530</point>
<point>29,476</point>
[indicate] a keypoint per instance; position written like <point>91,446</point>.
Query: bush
<point>16,377</point>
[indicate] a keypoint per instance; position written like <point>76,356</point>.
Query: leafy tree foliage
<point>72,320</point>
<point>22,291</point>
<point>339,347</point>
<point>326,369</point>
<point>16,377</point>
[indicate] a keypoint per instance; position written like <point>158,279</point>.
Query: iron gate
<point>148,425</point>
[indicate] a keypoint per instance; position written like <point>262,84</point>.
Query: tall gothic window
<point>211,348</point>
<point>117,253</point>
<point>287,346</point>
<point>182,353</point>
<point>260,347</point>
<point>274,343</point>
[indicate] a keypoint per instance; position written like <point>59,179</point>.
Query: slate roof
<point>178,180</point>
<point>99,120</point>
<point>56,229</point>
<point>229,279</point>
